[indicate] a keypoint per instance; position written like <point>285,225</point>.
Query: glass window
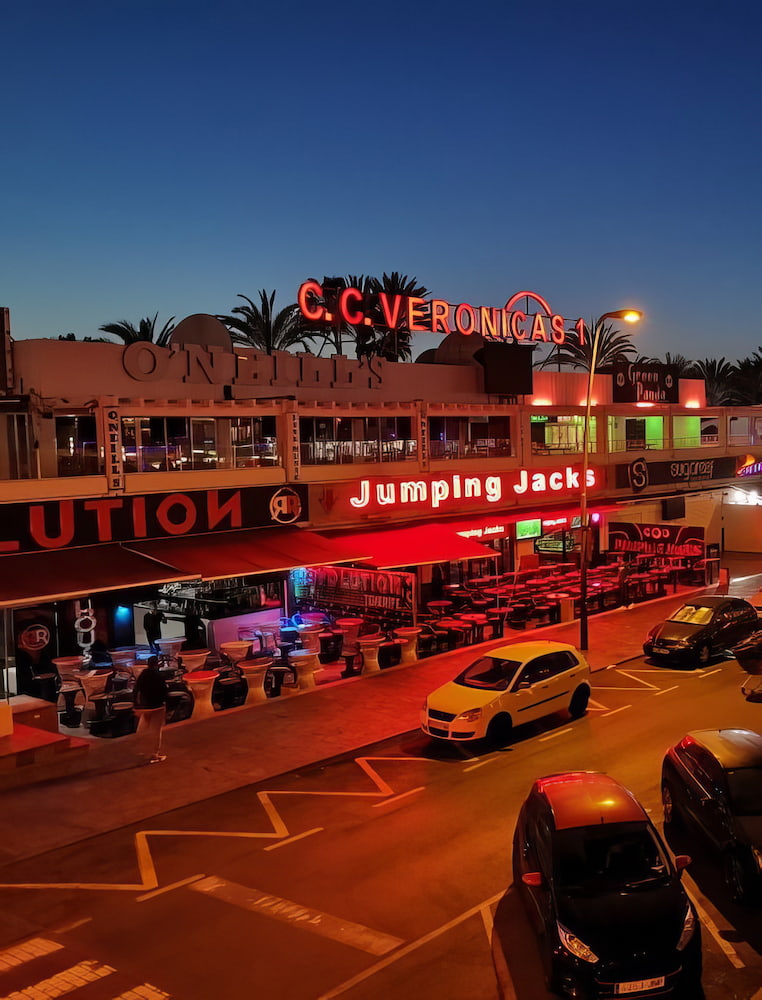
<point>745,786</point>
<point>489,672</point>
<point>560,433</point>
<point>609,857</point>
<point>694,614</point>
<point>77,446</point>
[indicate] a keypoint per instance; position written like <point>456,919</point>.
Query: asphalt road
<point>382,874</point>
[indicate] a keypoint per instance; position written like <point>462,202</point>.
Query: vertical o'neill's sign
<point>645,383</point>
<point>112,437</point>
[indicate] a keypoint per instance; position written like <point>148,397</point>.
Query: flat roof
<point>588,798</point>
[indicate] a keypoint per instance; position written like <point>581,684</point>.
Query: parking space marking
<point>368,973</point>
<point>297,836</point>
<point>615,710</point>
<point>595,706</point>
<point>725,946</point>
<point>479,763</point>
<point>168,888</point>
<point>665,690</point>
<point>324,924</point>
<point>634,670</point>
<point>552,736</point>
<point>396,798</point>
<point>708,673</point>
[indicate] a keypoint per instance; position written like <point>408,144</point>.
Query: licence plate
<point>639,985</point>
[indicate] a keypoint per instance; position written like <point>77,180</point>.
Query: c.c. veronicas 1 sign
<point>509,324</point>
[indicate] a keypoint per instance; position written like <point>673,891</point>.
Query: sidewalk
<point>246,745</point>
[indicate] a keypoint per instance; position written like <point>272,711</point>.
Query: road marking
<point>480,763</point>
<point>711,926</point>
<point>344,987</point>
<point>336,928</point>
<point>634,670</point>
<point>552,736</point>
<point>63,982</point>
<point>396,798</point>
<point>168,888</point>
<point>73,925</point>
<point>708,673</point>
<point>298,836</point>
<point>615,710</point>
<point>145,992</point>
<point>665,690</point>
<point>595,706</point>
<point>33,948</point>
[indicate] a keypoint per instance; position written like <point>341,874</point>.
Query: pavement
<point>245,745</point>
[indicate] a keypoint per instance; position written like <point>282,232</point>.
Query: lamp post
<point>629,316</point>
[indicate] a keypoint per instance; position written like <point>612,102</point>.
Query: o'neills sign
<point>508,323</point>
<point>453,492</point>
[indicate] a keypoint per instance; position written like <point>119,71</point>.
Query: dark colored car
<point>603,894</point>
<point>700,629</point>
<point>713,779</point>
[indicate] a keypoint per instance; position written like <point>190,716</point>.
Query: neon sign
<point>395,312</point>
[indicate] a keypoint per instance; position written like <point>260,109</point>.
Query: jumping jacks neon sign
<point>507,324</point>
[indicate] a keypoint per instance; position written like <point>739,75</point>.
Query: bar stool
<point>201,683</point>
<point>496,618</point>
<point>478,622</point>
<point>309,635</point>
<point>440,608</point>
<point>330,646</point>
<point>254,673</point>
<point>369,645</point>
<point>351,629</point>
<point>172,646</point>
<point>390,653</point>
<point>194,659</point>
<point>306,664</point>
<point>235,649</point>
<point>409,648</point>
<point>124,718</point>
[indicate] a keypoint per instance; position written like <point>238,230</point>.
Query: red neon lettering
<point>415,315</point>
<point>516,318</point>
<point>440,311</point>
<point>355,318</point>
<point>139,517</point>
<point>557,331</point>
<point>38,529</point>
<point>461,311</point>
<point>538,328</point>
<point>579,326</point>
<point>175,500</point>
<point>230,508</point>
<point>391,316</point>
<point>103,510</point>
<point>306,289</point>
<point>490,321</point>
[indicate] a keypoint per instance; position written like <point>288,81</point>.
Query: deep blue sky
<point>165,155</point>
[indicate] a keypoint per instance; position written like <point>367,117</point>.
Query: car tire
<point>579,700</point>
<point>736,877</point>
<point>499,730</point>
<point>672,816</point>
<point>703,655</point>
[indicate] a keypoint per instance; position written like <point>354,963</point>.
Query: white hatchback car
<point>506,687</point>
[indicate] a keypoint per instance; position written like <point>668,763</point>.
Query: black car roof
<point>733,748</point>
<point>715,601</point>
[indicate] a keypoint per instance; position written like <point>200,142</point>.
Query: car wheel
<point>499,730</point>
<point>672,817</point>
<point>736,878</point>
<point>579,700</point>
<point>704,655</point>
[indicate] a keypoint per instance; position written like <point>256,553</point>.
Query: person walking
<point>152,626</point>
<point>151,708</point>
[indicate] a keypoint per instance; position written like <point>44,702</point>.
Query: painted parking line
<point>291,840</point>
<point>708,673</point>
<point>168,888</point>
<point>596,706</point>
<point>665,690</point>
<point>725,946</point>
<point>21,953</point>
<point>324,924</point>
<point>615,710</point>
<point>552,736</point>
<point>633,670</point>
<point>396,798</point>
<point>479,763</point>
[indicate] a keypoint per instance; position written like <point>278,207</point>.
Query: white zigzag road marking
<point>149,879</point>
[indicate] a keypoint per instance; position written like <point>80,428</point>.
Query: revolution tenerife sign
<point>506,324</point>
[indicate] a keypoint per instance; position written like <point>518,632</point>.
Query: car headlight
<point>757,857</point>
<point>689,926</point>
<point>574,946</point>
<point>473,715</point>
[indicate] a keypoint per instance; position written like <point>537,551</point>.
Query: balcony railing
<point>348,452</point>
<point>486,448</point>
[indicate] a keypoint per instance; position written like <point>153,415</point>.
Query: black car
<point>713,779</point>
<point>603,894</point>
<point>700,629</point>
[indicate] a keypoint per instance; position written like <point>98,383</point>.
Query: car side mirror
<point>682,861</point>
<point>523,684</point>
<point>533,879</point>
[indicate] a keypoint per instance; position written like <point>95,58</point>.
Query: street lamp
<point>629,316</point>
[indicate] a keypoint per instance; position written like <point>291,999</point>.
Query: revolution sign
<point>508,324</point>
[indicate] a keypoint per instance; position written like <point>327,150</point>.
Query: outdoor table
<point>254,672</point>
<point>439,607</point>
<point>201,683</point>
<point>478,621</point>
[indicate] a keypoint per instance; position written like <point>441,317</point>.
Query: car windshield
<point>489,672</point>
<point>745,786</point>
<point>693,614</point>
<point>608,857</point>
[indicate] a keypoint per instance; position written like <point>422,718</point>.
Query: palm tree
<point>613,348</point>
<point>263,329</point>
<point>718,376</point>
<point>394,345</point>
<point>747,380</point>
<point>679,361</point>
<point>146,330</point>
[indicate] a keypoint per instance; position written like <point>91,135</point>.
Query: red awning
<point>218,555</point>
<point>30,577</point>
<point>416,545</point>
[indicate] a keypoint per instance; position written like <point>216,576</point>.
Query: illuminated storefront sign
<point>656,539</point>
<point>639,474</point>
<point>454,491</point>
<point>529,529</point>
<point>57,524</point>
<point>397,312</point>
<point>751,468</point>
<point>645,383</point>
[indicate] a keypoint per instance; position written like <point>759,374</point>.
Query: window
<point>17,447</point>
<point>695,432</point>
<point>560,433</point>
<point>489,673</point>
<point>77,446</point>
<point>483,436</point>
<point>253,442</point>
<point>337,440</point>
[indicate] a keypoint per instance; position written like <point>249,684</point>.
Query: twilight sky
<point>165,155</point>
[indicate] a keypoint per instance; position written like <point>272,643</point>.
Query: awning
<point>55,576</point>
<point>416,545</point>
<point>218,555</point>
